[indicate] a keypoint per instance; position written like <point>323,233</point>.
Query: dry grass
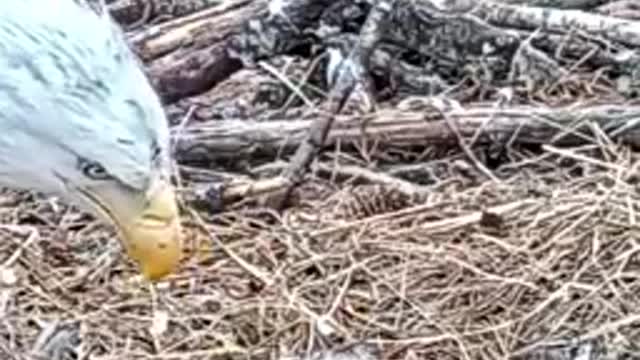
<point>472,269</point>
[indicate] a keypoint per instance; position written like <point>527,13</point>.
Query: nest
<point>385,252</point>
<point>547,256</point>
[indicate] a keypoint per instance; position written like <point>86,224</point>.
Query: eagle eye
<point>93,170</point>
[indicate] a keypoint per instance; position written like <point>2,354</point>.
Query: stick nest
<point>547,255</point>
<point>534,262</point>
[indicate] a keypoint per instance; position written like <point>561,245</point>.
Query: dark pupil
<point>93,170</point>
<point>96,170</point>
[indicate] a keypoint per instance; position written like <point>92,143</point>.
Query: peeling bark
<point>216,141</point>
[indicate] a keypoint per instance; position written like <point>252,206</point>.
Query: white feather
<point>70,87</point>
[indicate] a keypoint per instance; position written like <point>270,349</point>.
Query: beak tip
<point>154,239</point>
<point>162,252</point>
<point>148,226</point>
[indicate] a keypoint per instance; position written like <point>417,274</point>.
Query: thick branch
<point>188,55</point>
<point>526,124</point>
<point>135,13</point>
<point>615,29</point>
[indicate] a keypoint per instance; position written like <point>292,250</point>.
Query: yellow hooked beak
<point>153,239</point>
<point>148,226</point>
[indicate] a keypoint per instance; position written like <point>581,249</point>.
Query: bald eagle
<point>80,120</point>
